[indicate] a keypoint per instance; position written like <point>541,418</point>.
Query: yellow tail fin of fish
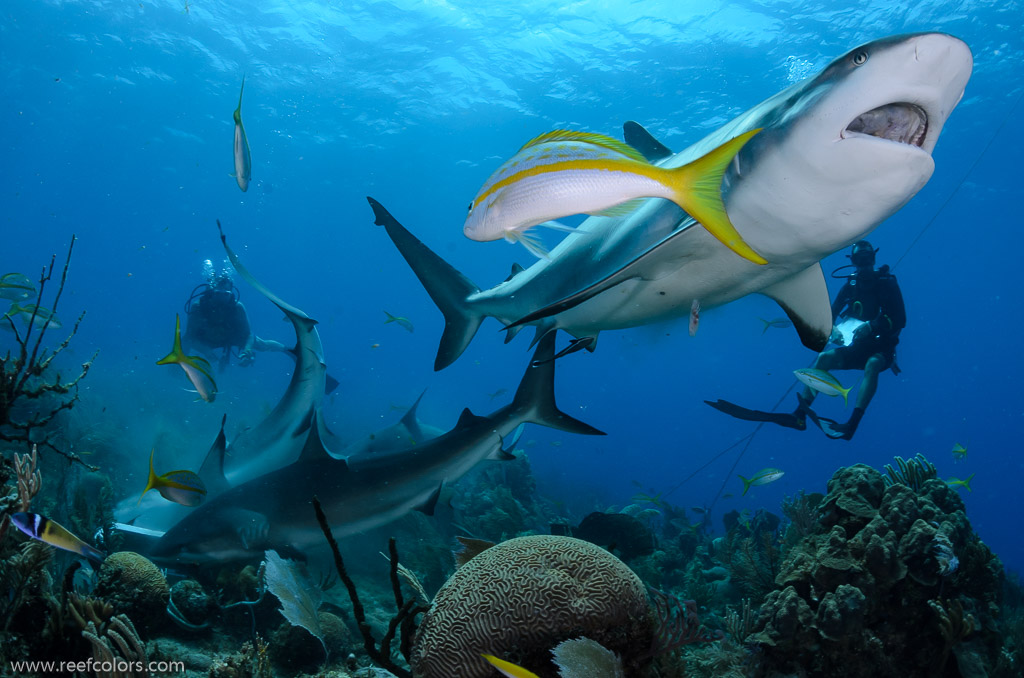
<point>698,188</point>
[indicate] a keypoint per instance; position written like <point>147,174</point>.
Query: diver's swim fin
<point>787,419</point>
<point>834,429</point>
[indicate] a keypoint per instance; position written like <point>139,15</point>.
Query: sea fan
<point>586,658</point>
<point>300,600</point>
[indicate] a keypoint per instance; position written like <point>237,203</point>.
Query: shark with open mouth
<point>839,153</point>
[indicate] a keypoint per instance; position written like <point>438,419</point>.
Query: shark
<point>407,432</point>
<point>273,443</point>
<point>274,511</point>
<point>838,154</point>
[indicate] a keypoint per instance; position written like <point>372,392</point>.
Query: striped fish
<point>564,172</point>
<point>823,382</point>
<point>197,368</point>
<point>47,531</point>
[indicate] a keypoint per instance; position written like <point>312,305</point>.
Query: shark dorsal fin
<point>643,141</point>
<point>804,298</point>
<point>411,422</point>
<point>212,470</point>
<point>467,418</point>
<point>516,270</point>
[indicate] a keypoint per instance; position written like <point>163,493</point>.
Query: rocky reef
<point>892,581</point>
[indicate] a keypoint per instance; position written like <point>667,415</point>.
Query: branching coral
<point>29,480</point>
<point>740,624</point>
<point>911,473</point>
<point>24,372</point>
<point>117,649</point>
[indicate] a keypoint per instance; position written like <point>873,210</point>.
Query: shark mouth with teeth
<point>900,122</point>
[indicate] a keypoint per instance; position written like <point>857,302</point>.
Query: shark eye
<point>859,58</point>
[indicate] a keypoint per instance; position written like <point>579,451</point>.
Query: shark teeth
<point>901,122</point>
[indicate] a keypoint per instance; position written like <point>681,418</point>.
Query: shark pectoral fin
<point>428,506</point>
<point>575,345</point>
<point>643,141</point>
<point>535,398</point>
<point>804,298</point>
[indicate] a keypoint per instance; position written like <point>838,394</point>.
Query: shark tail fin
<point>535,397</point>
<point>446,286</point>
<point>698,188</point>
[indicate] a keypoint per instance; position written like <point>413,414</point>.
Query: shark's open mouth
<point>904,123</point>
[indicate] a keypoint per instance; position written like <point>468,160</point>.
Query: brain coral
<point>519,599</point>
<point>134,586</point>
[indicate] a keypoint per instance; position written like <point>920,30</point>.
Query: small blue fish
<point>47,531</point>
<point>181,487</point>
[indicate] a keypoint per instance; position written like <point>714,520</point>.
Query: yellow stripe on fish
<point>508,668</point>
<point>564,172</point>
<point>49,532</point>
<point>823,382</point>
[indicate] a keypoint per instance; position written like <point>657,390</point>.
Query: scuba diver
<point>869,315</point>
<point>217,320</point>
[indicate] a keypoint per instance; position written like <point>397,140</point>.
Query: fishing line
<point>961,184</point>
<point>748,439</point>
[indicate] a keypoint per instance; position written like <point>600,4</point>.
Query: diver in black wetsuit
<point>217,320</point>
<point>872,297</point>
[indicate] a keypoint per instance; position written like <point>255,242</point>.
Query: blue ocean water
<point>117,128</point>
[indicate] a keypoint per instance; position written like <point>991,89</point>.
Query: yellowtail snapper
<point>959,452</point>
<point>243,162</point>
<point>956,482</point>
<point>182,487</point>
<point>42,315</point>
<point>404,323</point>
<point>49,532</point>
<point>823,382</point>
<point>762,477</point>
<point>563,172</point>
<point>197,368</point>
<point>16,287</point>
